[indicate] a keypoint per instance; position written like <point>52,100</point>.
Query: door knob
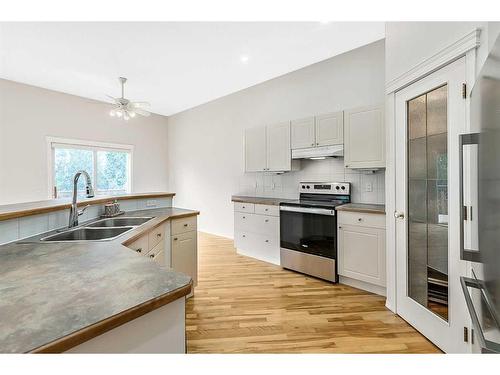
<point>399,215</point>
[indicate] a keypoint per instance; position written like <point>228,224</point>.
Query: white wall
<point>28,114</point>
<point>206,157</point>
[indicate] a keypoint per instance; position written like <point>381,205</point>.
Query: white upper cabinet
<point>279,155</point>
<point>330,129</point>
<point>255,149</point>
<point>364,137</point>
<point>267,148</point>
<point>303,133</point>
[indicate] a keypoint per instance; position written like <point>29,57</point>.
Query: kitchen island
<point>91,296</point>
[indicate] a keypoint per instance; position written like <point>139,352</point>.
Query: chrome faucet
<point>89,192</point>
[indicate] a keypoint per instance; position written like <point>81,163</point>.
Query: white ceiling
<point>173,65</point>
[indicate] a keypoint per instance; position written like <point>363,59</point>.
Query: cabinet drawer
<point>140,245</point>
<point>242,239</point>
<point>265,209</point>
<point>160,258</point>
<point>155,236</point>
<point>185,224</point>
<point>244,207</point>
<point>362,219</point>
<point>244,221</point>
<point>155,250</point>
<point>266,225</point>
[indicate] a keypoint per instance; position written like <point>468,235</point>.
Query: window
<point>109,166</point>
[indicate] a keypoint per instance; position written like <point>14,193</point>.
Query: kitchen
<point>312,208</point>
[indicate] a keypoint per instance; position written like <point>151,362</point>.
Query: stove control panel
<point>342,188</point>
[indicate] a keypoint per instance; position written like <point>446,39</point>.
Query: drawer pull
<point>175,238</point>
<point>139,250</point>
<point>185,225</point>
<point>267,220</point>
<point>267,209</point>
<point>244,217</point>
<point>244,236</point>
<point>267,240</point>
<point>152,256</point>
<point>242,206</point>
<point>158,234</point>
<point>360,219</point>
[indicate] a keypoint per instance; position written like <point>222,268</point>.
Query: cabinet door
<point>303,133</point>
<point>364,137</point>
<point>330,129</point>
<point>255,149</point>
<point>160,258</point>
<point>279,153</point>
<point>362,253</point>
<point>184,254</point>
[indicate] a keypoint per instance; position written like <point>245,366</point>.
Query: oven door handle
<point>308,210</point>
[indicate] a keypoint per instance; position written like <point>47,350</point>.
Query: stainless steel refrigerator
<point>482,289</point>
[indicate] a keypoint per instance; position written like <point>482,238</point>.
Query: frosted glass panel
<point>428,201</point>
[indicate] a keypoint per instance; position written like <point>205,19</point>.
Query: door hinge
<point>466,334</point>
<point>464,90</point>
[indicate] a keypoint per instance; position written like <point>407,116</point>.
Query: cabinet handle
<point>158,234</point>
<point>267,209</point>
<point>340,227</point>
<point>267,220</point>
<point>139,250</point>
<point>242,206</point>
<point>317,144</point>
<point>152,256</point>
<point>185,225</point>
<point>244,217</point>
<point>244,236</point>
<point>312,144</point>
<point>175,238</point>
<point>347,166</point>
<point>360,219</point>
<point>267,240</point>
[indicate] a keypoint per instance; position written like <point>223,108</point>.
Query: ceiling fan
<point>126,109</point>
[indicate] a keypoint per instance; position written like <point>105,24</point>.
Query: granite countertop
<point>259,200</point>
<point>362,207</point>
<point>49,291</point>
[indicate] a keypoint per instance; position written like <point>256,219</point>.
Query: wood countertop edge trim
<point>92,201</point>
<point>78,337</point>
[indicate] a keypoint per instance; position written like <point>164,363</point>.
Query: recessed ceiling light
<point>244,59</point>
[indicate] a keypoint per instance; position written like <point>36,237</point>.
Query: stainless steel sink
<point>119,222</point>
<point>87,234</point>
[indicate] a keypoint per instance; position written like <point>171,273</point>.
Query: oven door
<point>309,230</point>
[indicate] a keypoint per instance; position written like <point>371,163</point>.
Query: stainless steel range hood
<point>319,152</point>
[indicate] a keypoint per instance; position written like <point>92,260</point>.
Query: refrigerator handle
<point>463,140</point>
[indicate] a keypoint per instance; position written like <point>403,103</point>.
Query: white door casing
<point>447,335</point>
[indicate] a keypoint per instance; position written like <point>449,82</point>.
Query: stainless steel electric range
<point>308,229</point>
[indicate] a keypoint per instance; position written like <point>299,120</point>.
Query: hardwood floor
<point>242,305</point>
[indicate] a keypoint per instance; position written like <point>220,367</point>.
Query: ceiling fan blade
<point>115,100</point>
<point>141,112</point>
<point>140,104</point>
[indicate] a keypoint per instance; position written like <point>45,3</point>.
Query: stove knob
<point>303,186</point>
<point>343,187</point>
<point>337,187</point>
<point>308,187</point>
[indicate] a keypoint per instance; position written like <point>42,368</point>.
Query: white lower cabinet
<point>185,248</point>
<point>172,244</point>
<point>256,231</point>
<point>361,245</point>
<point>154,244</point>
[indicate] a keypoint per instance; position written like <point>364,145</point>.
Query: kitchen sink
<point>87,234</point>
<point>119,222</point>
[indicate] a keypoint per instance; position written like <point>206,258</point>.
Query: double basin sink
<point>100,230</point>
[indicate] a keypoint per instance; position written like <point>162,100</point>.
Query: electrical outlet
<point>368,187</point>
<point>151,203</point>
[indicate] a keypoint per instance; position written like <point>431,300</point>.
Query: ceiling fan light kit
<point>126,109</point>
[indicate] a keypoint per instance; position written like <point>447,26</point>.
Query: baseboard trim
<point>380,290</point>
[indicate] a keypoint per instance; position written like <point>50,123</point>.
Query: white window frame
<point>53,142</point>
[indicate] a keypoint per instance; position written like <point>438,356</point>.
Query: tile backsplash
<point>366,186</point>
